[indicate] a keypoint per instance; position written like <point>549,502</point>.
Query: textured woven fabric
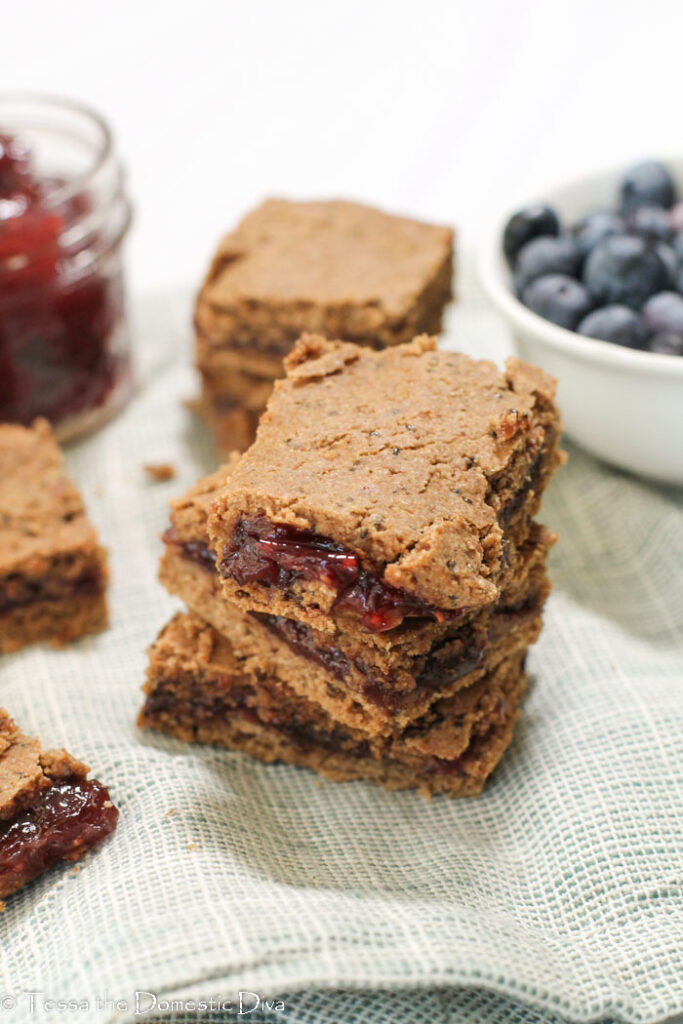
<point>560,888</point>
<point>420,1006</point>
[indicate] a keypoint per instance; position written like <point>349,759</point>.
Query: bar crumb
<point>159,471</point>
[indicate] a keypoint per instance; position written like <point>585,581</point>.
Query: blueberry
<point>666,344</point>
<point>544,256</point>
<point>670,261</point>
<point>626,270</point>
<point>527,224</point>
<point>559,298</point>
<point>650,222</point>
<point>617,324</point>
<point>645,184</point>
<point>663,313</point>
<point>596,226</point>
<point>676,217</point>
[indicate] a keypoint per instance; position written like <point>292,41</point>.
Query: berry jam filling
<point>530,484</point>
<point>197,551</point>
<point>188,701</point>
<point>67,820</point>
<point>299,638</point>
<point>58,308</point>
<point>434,674</point>
<point>309,737</point>
<point>276,554</point>
<point>17,591</point>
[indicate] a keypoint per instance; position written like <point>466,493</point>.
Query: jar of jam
<point>64,344</point>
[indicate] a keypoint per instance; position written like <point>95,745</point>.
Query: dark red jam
<point>276,554</point>
<point>197,551</point>
<point>67,820</point>
<point>16,590</point>
<point>299,638</point>
<point>192,702</point>
<point>61,310</point>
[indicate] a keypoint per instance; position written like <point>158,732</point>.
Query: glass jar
<point>64,343</point>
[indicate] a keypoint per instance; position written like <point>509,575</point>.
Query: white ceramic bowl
<point>622,405</point>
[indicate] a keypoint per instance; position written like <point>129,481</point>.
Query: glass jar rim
<point>95,229</point>
<point>103,147</point>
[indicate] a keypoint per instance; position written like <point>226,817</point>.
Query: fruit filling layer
<point>277,555</point>
<point>299,638</point>
<point>17,591</point>
<point>434,673</point>
<point>191,703</point>
<point>197,551</point>
<point>68,819</point>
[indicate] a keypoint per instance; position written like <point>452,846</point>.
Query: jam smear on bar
<point>274,553</point>
<point>68,819</point>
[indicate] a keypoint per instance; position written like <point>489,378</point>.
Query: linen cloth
<point>556,895</point>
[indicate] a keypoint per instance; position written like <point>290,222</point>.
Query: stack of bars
<point>337,268</point>
<point>364,582</point>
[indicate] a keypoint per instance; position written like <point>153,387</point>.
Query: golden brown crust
<point>53,572</point>
<point>231,404</point>
<point>21,774</point>
<point>379,682</point>
<point>39,827</point>
<point>26,770</point>
<point>388,650</point>
<point>41,512</point>
<point>197,690</point>
<point>354,694</point>
<point>413,459</point>
<point>55,622</point>
<point>228,373</point>
<point>336,267</point>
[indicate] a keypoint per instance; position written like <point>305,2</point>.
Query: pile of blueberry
<point>617,275</point>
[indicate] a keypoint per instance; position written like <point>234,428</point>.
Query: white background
<point>441,109</point>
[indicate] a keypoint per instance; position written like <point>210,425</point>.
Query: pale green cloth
<point>560,887</point>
